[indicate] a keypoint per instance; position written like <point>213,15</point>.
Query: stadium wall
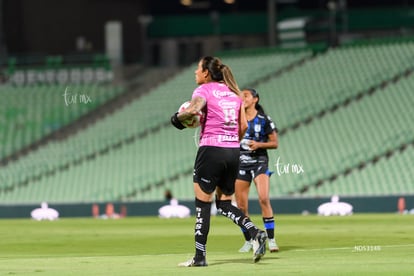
<point>377,204</point>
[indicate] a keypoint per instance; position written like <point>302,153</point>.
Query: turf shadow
<point>288,248</point>
<point>264,261</point>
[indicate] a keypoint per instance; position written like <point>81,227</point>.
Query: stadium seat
<point>134,154</point>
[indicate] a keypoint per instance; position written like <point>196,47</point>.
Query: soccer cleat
<point>247,246</point>
<point>193,262</point>
<point>259,245</point>
<point>273,246</point>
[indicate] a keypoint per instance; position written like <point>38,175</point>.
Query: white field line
<point>356,248</point>
<point>364,248</point>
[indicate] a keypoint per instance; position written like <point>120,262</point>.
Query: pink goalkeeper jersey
<point>221,124</point>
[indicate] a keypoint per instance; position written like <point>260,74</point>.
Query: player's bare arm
<point>196,105</point>
<point>243,125</point>
<point>272,142</point>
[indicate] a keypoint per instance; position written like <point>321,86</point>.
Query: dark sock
<point>246,234</point>
<point>269,224</point>
<point>201,228</point>
<point>237,216</point>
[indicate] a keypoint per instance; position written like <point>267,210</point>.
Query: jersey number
<point>230,116</point>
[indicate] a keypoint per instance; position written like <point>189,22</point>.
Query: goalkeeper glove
<point>175,122</point>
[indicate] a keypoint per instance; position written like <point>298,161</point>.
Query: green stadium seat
<point>161,155</point>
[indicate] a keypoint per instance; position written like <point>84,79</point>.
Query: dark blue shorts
<point>248,173</point>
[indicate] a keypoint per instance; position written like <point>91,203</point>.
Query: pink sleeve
<point>200,92</point>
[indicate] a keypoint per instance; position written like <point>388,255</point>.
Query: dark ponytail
<point>258,106</point>
<point>260,109</point>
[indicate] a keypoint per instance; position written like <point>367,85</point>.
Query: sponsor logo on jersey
<point>228,138</point>
<point>220,94</point>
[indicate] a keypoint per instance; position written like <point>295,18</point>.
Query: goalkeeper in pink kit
<point>217,161</point>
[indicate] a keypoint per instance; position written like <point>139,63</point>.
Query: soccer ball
<point>194,121</point>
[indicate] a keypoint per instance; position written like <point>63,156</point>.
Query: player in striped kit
<point>260,136</point>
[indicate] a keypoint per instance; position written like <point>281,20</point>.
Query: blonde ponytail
<point>229,80</point>
<point>220,72</point>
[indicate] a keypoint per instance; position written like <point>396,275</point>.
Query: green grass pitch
<point>355,245</point>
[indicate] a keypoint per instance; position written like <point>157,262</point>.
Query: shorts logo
<point>205,180</point>
<point>242,172</point>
